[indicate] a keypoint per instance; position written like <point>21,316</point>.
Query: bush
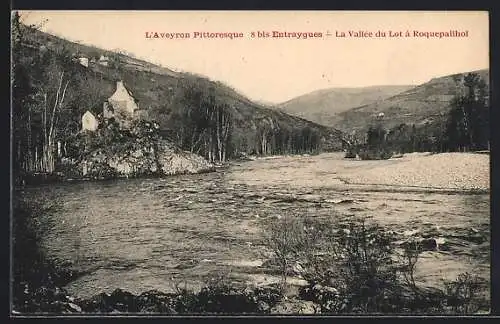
<point>214,298</point>
<point>287,240</point>
<point>351,267</point>
<point>375,154</point>
<point>462,294</point>
<point>357,274</point>
<point>351,153</point>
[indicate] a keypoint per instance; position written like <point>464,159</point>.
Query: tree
<point>41,85</point>
<point>376,147</point>
<point>468,122</point>
<point>376,136</point>
<point>21,90</point>
<point>202,123</point>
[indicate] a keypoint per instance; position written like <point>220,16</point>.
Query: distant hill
<point>160,91</point>
<point>427,103</point>
<point>322,106</point>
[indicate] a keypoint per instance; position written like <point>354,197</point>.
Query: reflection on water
<point>146,233</point>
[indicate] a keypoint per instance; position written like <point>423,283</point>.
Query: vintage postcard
<point>250,163</point>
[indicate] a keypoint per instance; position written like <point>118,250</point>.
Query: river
<point>142,234</point>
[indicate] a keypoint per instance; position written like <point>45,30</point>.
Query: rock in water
<point>75,307</point>
<point>294,307</point>
<point>176,161</point>
<point>428,244</point>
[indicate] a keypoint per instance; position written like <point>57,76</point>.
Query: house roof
<point>87,113</point>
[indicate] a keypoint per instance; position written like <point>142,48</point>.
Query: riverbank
<point>455,171</point>
<point>443,171</point>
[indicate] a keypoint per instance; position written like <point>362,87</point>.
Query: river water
<point>143,234</point>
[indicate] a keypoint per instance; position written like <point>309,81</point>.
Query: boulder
<point>295,307</point>
<point>123,301</point>
<point>154,301</point>
<point>175,161</point>
<point>428,244</point>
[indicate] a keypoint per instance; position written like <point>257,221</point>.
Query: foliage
<point>352,267</point>
<point>462,293</point>
<point>468,122</point>
<point>464,128</point>
<point>409,138</point>
<point>287,240</point>
<point>376,146</point>
<point>351,153</point>
<point>203,122</point>
<point>381,153</point>
<point>50,93</point>
<point>356,273</point>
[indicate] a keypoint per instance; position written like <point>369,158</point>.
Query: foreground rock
<point>210,300</point>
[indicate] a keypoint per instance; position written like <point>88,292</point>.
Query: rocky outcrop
<point>143,162</point>
<point>112,152</point>
<point>173,160</point>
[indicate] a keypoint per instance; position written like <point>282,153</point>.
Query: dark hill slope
<point>159,90</point>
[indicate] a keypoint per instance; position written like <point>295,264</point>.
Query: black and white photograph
<point>258,163</point>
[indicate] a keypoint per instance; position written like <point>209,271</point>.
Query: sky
<point>274,70</point>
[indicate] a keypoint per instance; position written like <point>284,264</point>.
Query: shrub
<point>218,296</point>
<point>287,240</point>
<point>375,154</point>
<point>350,153</point>
<point>462,294</point>
<point>369,270</point>
<point>348,267</point>
<point>351,268</point>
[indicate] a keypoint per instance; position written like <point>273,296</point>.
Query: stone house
<point>122,106</point>
<point>89,122</point>
<point>84,61</point>
<point>103,60</point>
